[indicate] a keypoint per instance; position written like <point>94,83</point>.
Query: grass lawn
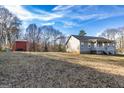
<point>52,69</point>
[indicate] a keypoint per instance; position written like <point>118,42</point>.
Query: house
<point>90,44</point>
<point>20,45</point>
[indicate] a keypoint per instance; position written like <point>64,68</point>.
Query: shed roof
<point>21,40</point>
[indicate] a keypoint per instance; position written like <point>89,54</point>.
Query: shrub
<point>120,50</point>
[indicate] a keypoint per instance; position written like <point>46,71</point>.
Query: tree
<point>9,27</point>
<point>45,38</point>
<point>49,36</point>
<point>109,33</point>
<point>61,43</point>
<point>13,32</point>
<point>33,34</point>
<point>82,33</point>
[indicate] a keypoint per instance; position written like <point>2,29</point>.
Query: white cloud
<point>48,23</point>
<point>20,12</point>
<point>96,16</point>
<point>62,7</point>
<point>85,17</point>
<point>89,12</point>
<point>99,33</point>
<point>27,15</point>
<point>60,12</point>
<point>63,13</point>
<point>69,24</point>
<point>108,15</point>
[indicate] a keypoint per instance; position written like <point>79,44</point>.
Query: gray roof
<point>88,38</point>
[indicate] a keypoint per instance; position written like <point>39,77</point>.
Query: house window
<point>113,45</point>
<point>89,45</point>
<point>108,44</point>
<point>103,44</point>
<point>82,44</point>
<point>100,44</point>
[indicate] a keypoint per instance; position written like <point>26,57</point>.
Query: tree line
<point>9,27</point>
<point>43,38</point>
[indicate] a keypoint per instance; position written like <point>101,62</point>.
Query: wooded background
<point>43,38</point>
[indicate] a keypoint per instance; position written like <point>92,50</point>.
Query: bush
<point>62,49</point>
<point>0,49</point>
<point>5,49</point>
<point>120,50</point>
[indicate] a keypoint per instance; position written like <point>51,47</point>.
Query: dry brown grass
<point>53,69</point>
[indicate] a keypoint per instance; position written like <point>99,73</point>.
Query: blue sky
<point>70,19</point>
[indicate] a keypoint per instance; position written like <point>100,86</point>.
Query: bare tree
<point>44,38</point>
<point>49,36</point>
<point>9,27</point>
<point>33,34</point>
<point>110,34</point>
<point>61,43</point>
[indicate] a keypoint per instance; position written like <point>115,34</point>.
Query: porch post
<point>96,43</point>
<point>96,47</point>
<point>103,44</point>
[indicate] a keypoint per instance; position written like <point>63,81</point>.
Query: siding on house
<point>89,44</point>
<point>73,45</point>
<point>85,47</point>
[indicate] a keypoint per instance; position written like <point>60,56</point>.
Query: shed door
<point>20,46</point>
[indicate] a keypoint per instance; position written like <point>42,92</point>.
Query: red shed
<point>21,45</point>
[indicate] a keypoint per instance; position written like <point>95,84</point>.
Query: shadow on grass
<point>46,72</point>
<point>106,59</point>
<point>119,55</point>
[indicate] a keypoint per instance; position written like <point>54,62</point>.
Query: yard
<point>52,69</point>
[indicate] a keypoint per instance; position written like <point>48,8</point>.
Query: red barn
<point>21,45</point>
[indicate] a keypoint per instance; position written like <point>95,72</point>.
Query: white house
<point>90,44</point>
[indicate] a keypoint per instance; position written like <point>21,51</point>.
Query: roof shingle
<point>87,38</point>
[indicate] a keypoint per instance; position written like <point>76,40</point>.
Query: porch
<point>103,47</point>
